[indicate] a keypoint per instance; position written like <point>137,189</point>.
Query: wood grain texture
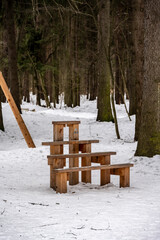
<point>76,169</point>
<point>54,143</point>
<point>16,113</point>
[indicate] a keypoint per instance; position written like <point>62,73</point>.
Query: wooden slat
<point>61,183</point>
<point>65,122</point>
<point>74,148</point>
<point>86,161</point>
<point>81,155</point>
<point>58,133</point>
<point>105,173</point>
<point>77,169</point>
<point>56,164</point>
<point>69,142</point>
<point>16,113</point>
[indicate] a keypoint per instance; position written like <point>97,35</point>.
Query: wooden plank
<point>55,164</point>
<point>73,131</point>
<point>86,161</point>
<point>76,169</point>
<point>57,149</point>
<point>58,132</point>
<point>65,122</point>
<point>105,173</point>
<point>73,148</point>
<point>69,142</point>
<point>61,182</point>
<point>16,113</point>
<point>81,155</point>
<point>125,177</point>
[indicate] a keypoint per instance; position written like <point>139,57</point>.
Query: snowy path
<point>29,209</point>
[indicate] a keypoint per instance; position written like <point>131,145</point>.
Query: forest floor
<point>29,209</point>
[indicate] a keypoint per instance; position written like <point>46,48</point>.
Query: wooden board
<point>69,142</point>
<point>86,161</point>
<point>73,148</point>
<point>65,122</point>
<point>16,113</point>
<point>77,169</point>
<point>81,155</point>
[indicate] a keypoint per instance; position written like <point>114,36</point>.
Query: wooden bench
<point>123,170</point>
<point>56,147</point>
<point>57,161</point>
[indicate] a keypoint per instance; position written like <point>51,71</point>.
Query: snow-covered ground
<point>29,209</point>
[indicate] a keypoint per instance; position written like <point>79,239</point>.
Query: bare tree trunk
<point>26,87</point>
<point>12,52</point>
<point>103,103</point>
<point>68,82</point>
<point>149,132</point>
<point>1,118</point>
<point>138,37</point>
<point>131,68</point>
<point>4,66</point>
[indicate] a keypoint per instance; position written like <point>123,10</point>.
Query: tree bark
<point>131,63</point>
<point>138,38</point>
<point>1,118</point>
<point>68,78</point>
<point>12,52</point>
<point>149,133</point>
<point>103,103</point>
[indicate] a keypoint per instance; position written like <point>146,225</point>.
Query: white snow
<point>29,209</point>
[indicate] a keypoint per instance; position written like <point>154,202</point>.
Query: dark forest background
<point>106,49</point>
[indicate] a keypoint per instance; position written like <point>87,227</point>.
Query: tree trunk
<point>12,52</point>
<point>68,79</point>
<point>75,70</point>
<point>138,37</point>
<point>4,65</point>
<point>26,87</point>
<point>131,63</point>
<point>1,119</point>
<point>103,103</point>
<point>149,132</point>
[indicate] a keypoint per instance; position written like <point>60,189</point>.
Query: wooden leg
<point>125,177</point>
<point>73,177</point>
<point>105,174</point>
<point>74,135</point>
<point>56,164</point>
<point>61,182</point>
<point>86,175</point>
<point>51,177</point>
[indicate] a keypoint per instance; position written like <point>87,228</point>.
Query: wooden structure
<point>16,113</point>
<point>57,160</point>
<point>123,170</point>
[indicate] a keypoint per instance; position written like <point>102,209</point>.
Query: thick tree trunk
<point>138,38</point>
<point>149,133</point>
<point>12,52</point>
<point>75,70</point>
<point>68,78</point>
<point>103,103</point>
<point>4,65</point>
<point>131,64</point>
